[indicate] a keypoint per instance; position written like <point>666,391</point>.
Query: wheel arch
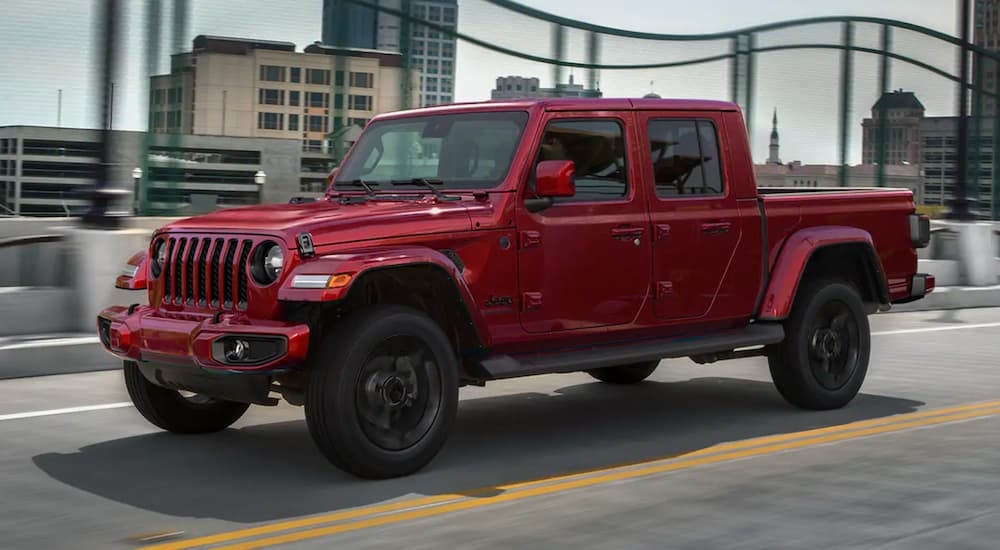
<point>427,280</point>
<point>847,253</point>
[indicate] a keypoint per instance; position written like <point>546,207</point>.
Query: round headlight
<point>268,260</point>
<point>159,257</point>
<point>273,261</point>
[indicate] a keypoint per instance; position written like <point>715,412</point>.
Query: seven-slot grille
<point>206,272</point>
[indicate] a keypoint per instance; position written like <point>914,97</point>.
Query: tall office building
<point>904,113</point>
<point>986,34</point>
<point>257,88</point>
<point>430,51</point>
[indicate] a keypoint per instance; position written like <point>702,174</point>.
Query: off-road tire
<point>794,363</point>
<point>171,411</point>
<point>341,397</point>
<point>625,374</point>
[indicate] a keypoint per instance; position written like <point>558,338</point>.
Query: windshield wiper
<point>427,184</point>
<point>367,185</point>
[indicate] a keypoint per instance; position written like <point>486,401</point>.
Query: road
<point>697,457</point>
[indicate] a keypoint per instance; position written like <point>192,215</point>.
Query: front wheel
<point>824,358</point>
<point>172,411</point>
<point>382,392</point>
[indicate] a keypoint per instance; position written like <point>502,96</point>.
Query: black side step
<point>506,366</point>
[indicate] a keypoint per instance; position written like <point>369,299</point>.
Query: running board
<point>506,366</point>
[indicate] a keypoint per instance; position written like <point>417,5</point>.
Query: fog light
<point>237,350</point>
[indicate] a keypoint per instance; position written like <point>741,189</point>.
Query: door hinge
<point>531,301</point>
<point>664,289</point>
<point>662,231</point>
<point>530,239</point>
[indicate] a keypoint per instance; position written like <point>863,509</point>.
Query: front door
<point>585,261</point>
<point>695,217</point>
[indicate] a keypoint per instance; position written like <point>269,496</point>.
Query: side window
<point>685,155</point>
<point>597,147</point>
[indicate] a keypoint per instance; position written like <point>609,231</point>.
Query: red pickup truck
<point>468,243</point>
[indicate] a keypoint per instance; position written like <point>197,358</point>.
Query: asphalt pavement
<point>696,457</point>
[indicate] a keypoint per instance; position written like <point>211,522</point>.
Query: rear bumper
<point>147,335</point>
<point>921,284</point>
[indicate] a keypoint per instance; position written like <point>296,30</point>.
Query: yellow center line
<point>444,503</point>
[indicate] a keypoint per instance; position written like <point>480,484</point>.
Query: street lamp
<point>136,178</point>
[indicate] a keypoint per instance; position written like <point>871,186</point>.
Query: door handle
<point>627,232</point>
<point>716,228</point>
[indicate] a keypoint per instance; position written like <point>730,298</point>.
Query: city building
<point>796,174</point>
<point>320,97</point>
<point>47,171</point>
<point>775,173</point>
<point>429,51</point>
<point>904,113</point>
<point>939,140</point>
<point>986,34</point>
<point>519,87</point>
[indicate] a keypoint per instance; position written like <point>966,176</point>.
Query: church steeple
<point>773,157</point>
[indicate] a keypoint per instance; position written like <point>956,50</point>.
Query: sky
<point>48,46</point>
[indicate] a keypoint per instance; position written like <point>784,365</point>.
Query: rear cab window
<point>685,158</point>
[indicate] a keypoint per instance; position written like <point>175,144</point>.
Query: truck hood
<point>330,222</point>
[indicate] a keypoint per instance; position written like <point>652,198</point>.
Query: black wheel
<point>173,411</point>
<point>625,374</point>
<point>824,358</point>
<point>382,392</point>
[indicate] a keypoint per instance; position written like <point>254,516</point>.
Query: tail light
<point>920,230</point>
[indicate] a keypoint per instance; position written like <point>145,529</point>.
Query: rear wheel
<point>176,412</point>
<point>382,392</point>
<point>824,359</point>
<point>625,374</point>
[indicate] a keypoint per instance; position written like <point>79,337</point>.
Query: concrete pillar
<point>972,244</point>
<point>96,259</point>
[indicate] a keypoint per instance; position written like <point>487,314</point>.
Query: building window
<point>295,75</point>
<point>294,98</point>
<point>685,157</point>
<point>270,121</point>
<point>362,80</point>
<point>339,78</point>
<point>448,50</point>
<point>159,96</point>
<point>338,101</point>
<point>293,123</point>
<point>173,96</point>
<point>449,15</point>
<point>272,73</point>
<point>317,99</point>
<point>360,102</point>
<point>317,123</point>
<point>318,76</point>
<point>159,121</point>
<point>173,120</point>
<point>271,97</point>
<point>357,122</point>
<point>434,49</point>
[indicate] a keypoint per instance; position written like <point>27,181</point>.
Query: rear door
<point>585,261</point>
<point>695,216</point>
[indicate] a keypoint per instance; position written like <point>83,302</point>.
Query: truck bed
<point>882,212</point>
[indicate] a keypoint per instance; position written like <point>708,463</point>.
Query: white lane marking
<point>69,410</point>
<point>935,329</point>
<point>51,343</point>
<point>121,405</point>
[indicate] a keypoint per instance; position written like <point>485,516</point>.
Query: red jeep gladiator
<point>468,243</point>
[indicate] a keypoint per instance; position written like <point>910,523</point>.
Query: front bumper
<point>144,334</point>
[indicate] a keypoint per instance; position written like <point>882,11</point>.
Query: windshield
<point>456,151</point>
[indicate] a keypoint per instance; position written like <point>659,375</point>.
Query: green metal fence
<point>861,58</point>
